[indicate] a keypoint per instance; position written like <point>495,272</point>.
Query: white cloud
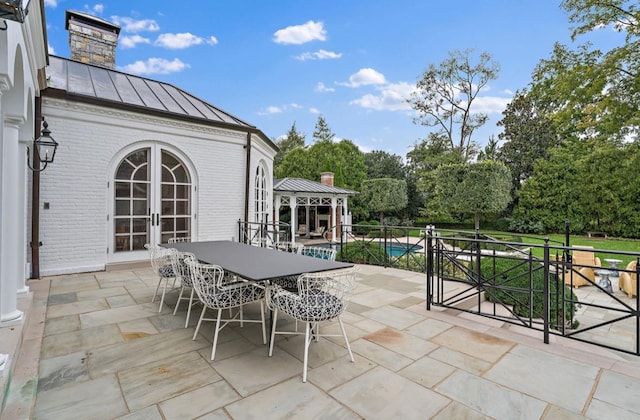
<point>130,25</point>
<point>132,41</point>
<point>319,55</point>
<point>97,8</point>
<point>314,111</point>
<point>392,97</point>
<point>181,40</point>
<point>275,109</point>
<point>212,40</point>
<point>51,3</point>
<point>156,66</point>
<point>320,87</point>
<point>300,34</point>
<point>363,77</point>
<point>489,104</point>
<point>50,49</point>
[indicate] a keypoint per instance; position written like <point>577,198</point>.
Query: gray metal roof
<point>104,85</point>
<point>307,186</point>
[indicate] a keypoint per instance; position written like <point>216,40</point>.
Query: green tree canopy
<point>383,195</point>
<point>381,164</point>
<point>481,188</point>
<point>293,140</point>
<point>322,132</point>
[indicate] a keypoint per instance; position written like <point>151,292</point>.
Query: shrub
<point>508,282</point>
<point>361,252</point>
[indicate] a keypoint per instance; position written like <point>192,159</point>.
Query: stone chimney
<point>92,40</point>
<point>326,178</point>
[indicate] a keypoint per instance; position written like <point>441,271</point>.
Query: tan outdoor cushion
<point>583,261</point>
<point>628,282</point>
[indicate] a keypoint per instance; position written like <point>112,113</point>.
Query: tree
<point>445,96</point>
<point>294,139</point>
<point>422,161</point>
<point>382,164</point>
<point>384,194</point>
<point>623,15</point>
<point>474,188</point>
<point>491,150</point>
<point>322,132</point>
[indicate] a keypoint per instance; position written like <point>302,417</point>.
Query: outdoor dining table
<point>256,263</point>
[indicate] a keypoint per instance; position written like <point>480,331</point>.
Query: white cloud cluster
<point>51,3</point>
<point>320,87</point>
<point>279,109</point>
<point>391,97</point>
<point>131,25</point>
<point>364,77</point>
<point>301,34</point>
<point>182,40</point>
<point>319,55</point>
<point>155,66</point>
<point>132,41</point>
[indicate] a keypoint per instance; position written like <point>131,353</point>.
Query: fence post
<point>545,291</point>
<point>386,254</point>
<point>429,231</point>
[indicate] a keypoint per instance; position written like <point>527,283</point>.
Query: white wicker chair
<point>324,253</point>
<point>182,271</point>
<point>217,291</point>
<point>321,297</point>
<point>291,282</point>
<point>162,262</point>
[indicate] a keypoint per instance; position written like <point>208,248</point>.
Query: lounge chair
<point>584,261</point>
<point>318,232</point>
<point>628,282</point>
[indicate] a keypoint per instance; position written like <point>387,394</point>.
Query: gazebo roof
<point>301,185</point>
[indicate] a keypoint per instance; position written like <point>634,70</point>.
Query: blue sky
<point>273,63</point>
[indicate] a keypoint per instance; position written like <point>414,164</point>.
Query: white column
<point>294,214</point>
<point>22,227</point>
<point>10,269</point>
<point>334,206</point>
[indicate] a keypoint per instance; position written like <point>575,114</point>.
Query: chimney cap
<point>90,20</point>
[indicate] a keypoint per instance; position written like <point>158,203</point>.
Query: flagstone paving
<point>95,347</point>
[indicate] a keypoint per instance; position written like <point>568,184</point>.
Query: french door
<point>152,202</point>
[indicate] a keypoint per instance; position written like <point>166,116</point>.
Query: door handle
<point>158,219</point>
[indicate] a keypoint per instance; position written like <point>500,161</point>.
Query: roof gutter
<point>247,180</point>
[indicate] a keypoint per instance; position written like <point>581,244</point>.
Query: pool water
<point>397,250</point>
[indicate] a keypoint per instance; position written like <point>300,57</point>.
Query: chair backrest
<point>179,240</point>
<point>293,247</point>
<point>205,278</point>
<point>161,258</point>
<point>181,269</point>
<point>338,283</point>
<point>632,268</point>
<point>584,257</point>
<point>319,252</point>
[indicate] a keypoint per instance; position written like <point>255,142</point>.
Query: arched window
<point>261,195</point>
<point>152,199</point>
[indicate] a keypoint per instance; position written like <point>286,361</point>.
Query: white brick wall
<point>75,231</point>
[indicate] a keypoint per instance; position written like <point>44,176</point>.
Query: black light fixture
<point>15,10</point>
<point>45,148</point>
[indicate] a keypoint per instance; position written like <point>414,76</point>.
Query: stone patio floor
<point>95,347</point>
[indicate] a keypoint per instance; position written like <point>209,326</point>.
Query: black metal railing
<point>263,233</point>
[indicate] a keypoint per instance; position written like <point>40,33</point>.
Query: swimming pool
<point>397,250</point>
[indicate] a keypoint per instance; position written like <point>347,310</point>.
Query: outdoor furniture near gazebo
<point>317,233</point>
<point>583,262</point>
<point>628,281</point>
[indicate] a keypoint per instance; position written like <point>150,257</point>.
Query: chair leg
<point>264,331</point>
<point>195,334</point>
<point>346,340</point>
<point>307,342</point>
<point>273,331</point>
<point>166,282</point>
<point>175,310</point>
<point>186,323</point>
<point>215,335</point>
<point>153,299</point>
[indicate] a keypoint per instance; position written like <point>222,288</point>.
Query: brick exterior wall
<point>75,231</point>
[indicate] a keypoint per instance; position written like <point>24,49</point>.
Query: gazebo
<point>313,205</point>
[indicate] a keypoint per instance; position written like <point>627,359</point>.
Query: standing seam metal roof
<point>305,185</point>
<point>113,86</point>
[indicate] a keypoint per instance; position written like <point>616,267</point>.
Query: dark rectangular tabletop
<point>253,262</point>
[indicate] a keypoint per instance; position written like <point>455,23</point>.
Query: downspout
<point>247,183</point>
<point>35,197</point>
